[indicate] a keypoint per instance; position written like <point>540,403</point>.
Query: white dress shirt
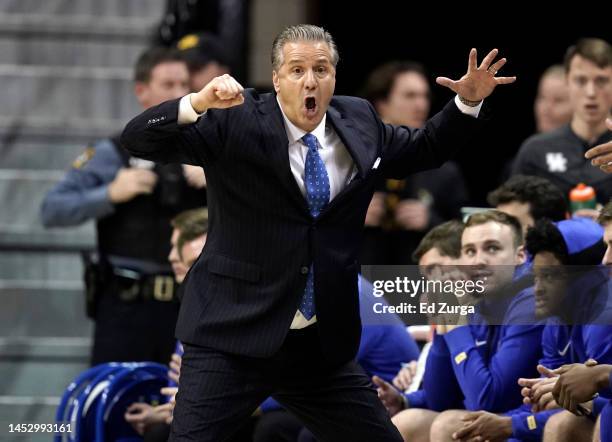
<point>338,162</point>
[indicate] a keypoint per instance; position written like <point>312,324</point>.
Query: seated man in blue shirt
<point>529,198</point>
<point>578,383</point>
<point>571,298</point>
<point>438,257</point>
<point>189,231</point>
<point>479,361</point>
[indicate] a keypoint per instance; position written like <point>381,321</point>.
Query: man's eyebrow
<point>496,241</point>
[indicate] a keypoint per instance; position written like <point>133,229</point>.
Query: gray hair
<point>302,33</point>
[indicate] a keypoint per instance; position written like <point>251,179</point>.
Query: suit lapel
<point>277,147</point>
<point>361,155</point>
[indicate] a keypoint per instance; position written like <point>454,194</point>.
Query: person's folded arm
<point>439,381</point>
<point>599,348</point>
<point>529,426</point>
<point>492,385</point>
<point>83,192</point>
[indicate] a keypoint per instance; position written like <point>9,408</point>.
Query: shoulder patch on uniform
<point>84,158</point>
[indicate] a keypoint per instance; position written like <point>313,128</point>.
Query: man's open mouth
<point>310,104</point>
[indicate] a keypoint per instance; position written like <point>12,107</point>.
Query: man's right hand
<point>175,367</point>
<point>220,93</point>
<point>129,183</point>
<point>601,155</point>
<point>389,396</point>
<point>412,214</point>
<point>139,415</point>
<point>537,392</point>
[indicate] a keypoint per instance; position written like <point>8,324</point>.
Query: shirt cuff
<point>524,423</point>
<point>186,113</point>
<point>472,111</point>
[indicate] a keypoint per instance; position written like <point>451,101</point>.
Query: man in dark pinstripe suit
<point>271,305</point>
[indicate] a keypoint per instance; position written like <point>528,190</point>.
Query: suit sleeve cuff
<point>186,113</point>
<point>468,110</point>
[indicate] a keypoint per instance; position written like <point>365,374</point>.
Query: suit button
<point>304,270</point>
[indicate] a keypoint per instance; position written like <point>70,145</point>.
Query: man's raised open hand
<point>479,81</point>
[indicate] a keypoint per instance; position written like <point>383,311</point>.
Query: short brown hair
<point>446,238</point>
<point>595,50</point>
<point>605,216</point>
<point>191,224</point>
<point>544,198</point>
<point>382,79</point>
<point>497,216</point>
<point>152,57</point>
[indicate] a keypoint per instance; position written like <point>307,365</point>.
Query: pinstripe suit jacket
<point>243,291</point>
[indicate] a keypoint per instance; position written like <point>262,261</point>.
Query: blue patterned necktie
<point>316,182</point>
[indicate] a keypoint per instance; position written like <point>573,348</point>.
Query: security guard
<point>130,286</point>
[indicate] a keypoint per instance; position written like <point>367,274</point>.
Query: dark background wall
<point>441,35</point>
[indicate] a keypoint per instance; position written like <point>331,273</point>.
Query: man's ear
<point>141,90</point>
<point>275,81</point>
<point>521,255</point>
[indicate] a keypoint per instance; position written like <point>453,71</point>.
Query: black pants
<point>160,432</point>
<point>218,392</point>
<point>281,426</point>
